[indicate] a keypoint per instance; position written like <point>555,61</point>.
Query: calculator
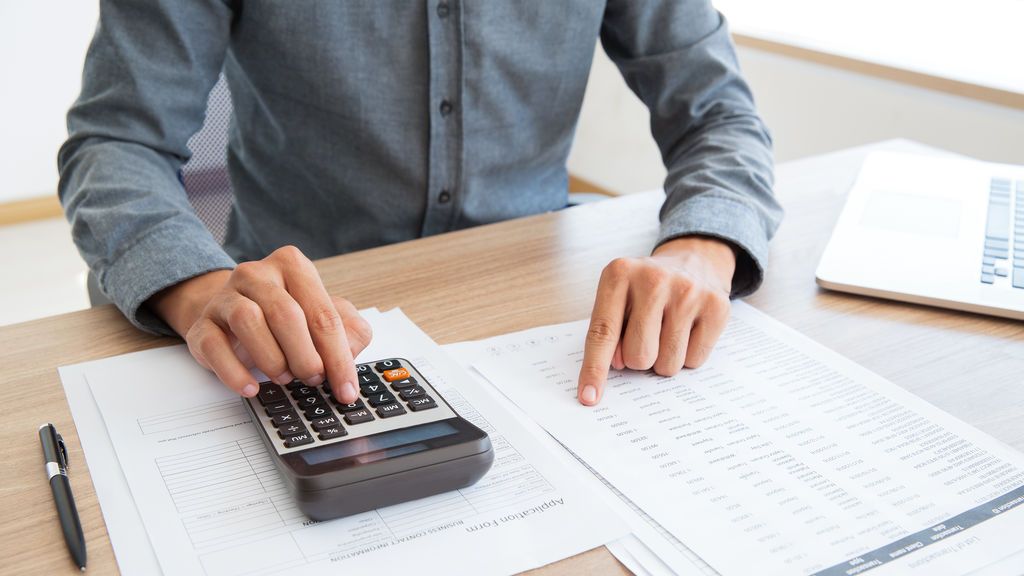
<point>399,441</point>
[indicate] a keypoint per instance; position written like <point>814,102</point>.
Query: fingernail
<point>284,378</point>
<point>315,380</point>
<point>250,390</point>
<point>589,395</point>
<point>349,389</point>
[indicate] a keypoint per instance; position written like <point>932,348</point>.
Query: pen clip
<point>63,451</point>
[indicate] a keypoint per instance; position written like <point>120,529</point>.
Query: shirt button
<point>443,10</point>
<point>446,108</point>
<point>444,197</point>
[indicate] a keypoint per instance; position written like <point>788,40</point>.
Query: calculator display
<point>381,442</point>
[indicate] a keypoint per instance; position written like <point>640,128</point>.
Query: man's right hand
<point>274,314</point>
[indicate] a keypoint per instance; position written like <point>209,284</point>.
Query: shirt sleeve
<point>678,58</point>
<point>147,75</point>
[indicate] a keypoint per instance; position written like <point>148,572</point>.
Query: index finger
<point>602,336</point>
<point>327,329</point>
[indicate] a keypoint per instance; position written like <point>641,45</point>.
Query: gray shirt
<point>362,123</point>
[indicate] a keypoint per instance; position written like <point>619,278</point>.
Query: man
<point>363,123</point>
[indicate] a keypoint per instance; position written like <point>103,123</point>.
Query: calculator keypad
<point>391,397</point>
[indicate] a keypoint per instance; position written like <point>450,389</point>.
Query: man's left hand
<point>665,311</point>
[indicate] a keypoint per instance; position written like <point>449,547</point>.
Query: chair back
<point>205,175</point>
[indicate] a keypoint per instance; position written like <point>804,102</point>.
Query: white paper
<point>649,549</point>
<point>128,535</point>
<point>212,502</point>
<point>778,456</point>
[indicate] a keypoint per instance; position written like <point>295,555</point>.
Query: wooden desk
<point>511,276</point>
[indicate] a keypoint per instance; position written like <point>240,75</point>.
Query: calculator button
<point>270,393</point>
<point>422,403</point>
<point>369,378</point>
<point>363,369</point>
<point>298,440</point>
<point>295,384</point>
<point>300,392</point>
<point>325,422</point>
<point>357,405</point>
<point>318,411</point>
<point>331,432</point>
<point>371,389</point>
<point>378,399</point>
<point>282,418</point>
<point>396,374</point>
<point>358,416</point>
<point>389,410</point>
<point>387,365</point>
<point>403,383</point>
<point>278,407</point>
<point>291,430</point>
<point>410,393</point>
<point>308,401</point>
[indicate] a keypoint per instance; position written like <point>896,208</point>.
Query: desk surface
<point>514,275</point>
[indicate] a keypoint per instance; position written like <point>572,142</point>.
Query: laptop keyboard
<point>1004,233</point>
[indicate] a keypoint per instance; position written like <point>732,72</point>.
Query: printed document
<point>779,456</point>
<point>650,549</point>
<point>212,503</point>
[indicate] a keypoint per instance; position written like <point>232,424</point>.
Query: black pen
<point>55,454</point>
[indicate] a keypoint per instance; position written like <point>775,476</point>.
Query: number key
<point>308,401</point>
<point>378,399</point>
<point>387,365</point>
<point>301,392</point>
<point>357,405</point>
<point>318,411</point>
<point>369,378</point>
<point>371,389</point>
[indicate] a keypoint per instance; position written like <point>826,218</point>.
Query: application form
<point>212,503</point>
<point>779,456</point>
<point>650,549</point>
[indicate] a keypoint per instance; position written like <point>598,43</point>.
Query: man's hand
<point>274,314</point>
<point>665,311</point>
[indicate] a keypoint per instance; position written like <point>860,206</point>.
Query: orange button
<point>396,374</point>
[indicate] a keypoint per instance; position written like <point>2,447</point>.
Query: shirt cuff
<point>729,220</point>
<point>165,256</point>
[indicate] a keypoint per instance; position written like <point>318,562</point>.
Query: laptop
<point>932,230</point>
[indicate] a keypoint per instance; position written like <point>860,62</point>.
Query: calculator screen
<point>358,446</point>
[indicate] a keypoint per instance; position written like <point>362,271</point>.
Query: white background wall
<point>43,43</point>
<point>809,108</point>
